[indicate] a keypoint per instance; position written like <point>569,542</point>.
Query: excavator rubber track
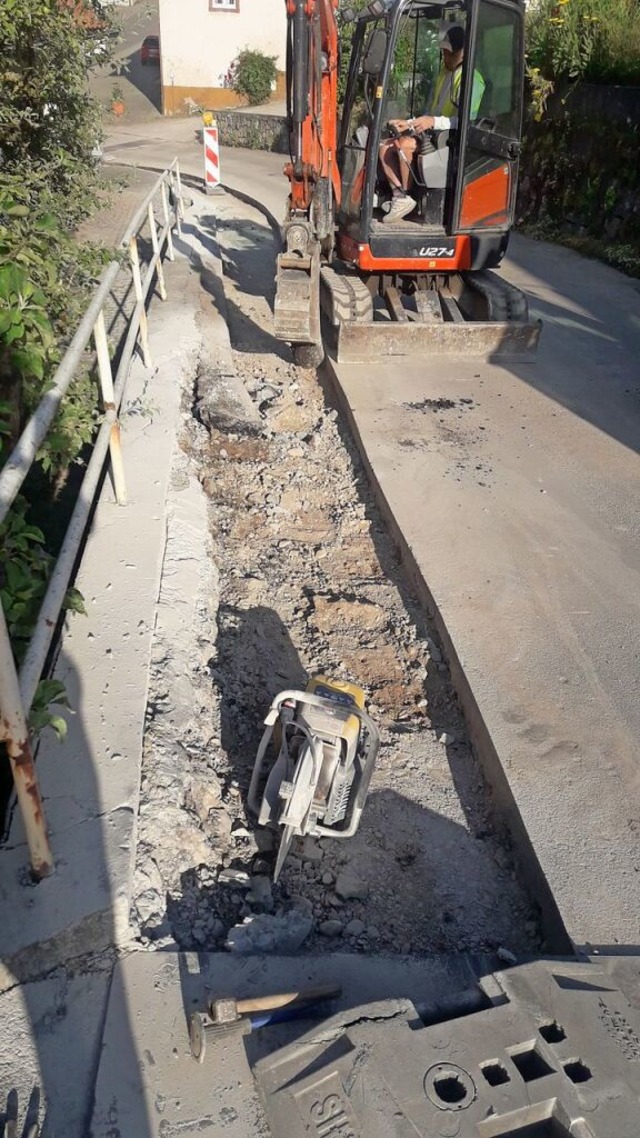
<point>297,303</point>
<point>469,314</point>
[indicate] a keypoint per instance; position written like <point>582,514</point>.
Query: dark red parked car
<point>150,50</point>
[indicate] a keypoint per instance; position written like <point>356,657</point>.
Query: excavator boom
<point>312,105</point>
<point>312,98</point>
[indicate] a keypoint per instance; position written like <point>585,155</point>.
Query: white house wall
<point>200,41</point>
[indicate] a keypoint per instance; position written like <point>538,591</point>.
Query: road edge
<point>491,764</point>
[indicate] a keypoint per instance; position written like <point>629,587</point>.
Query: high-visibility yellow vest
<point>446,93</point>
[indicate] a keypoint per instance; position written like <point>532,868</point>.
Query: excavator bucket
<point>478,314</point>
<point>360,343</point>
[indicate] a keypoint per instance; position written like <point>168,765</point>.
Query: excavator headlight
<point>377,8</point>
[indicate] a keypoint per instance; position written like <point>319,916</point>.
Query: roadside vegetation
<point>49,182</point>
<point>580,179</point>
<point>253,76</point>
<point>596,41</point>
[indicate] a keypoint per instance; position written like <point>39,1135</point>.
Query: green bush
<point>594,40</point>
<point>49,128</point>
<point>253,76</point>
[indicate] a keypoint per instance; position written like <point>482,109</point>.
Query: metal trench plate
<point>559,1057</point>
<point>363,343</point>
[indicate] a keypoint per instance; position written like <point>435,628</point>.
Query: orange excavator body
<point>340,254</point>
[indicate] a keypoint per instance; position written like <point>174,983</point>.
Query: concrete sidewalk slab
<point>513,494</point>
<point>149,1085</point>
<point>145,574</point>
<point>50,1049</point>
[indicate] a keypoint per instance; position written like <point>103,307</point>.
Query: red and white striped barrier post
<point>212,179</point>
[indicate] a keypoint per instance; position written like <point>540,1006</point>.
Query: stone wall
<point>580,168</point>
<point>254,131</point>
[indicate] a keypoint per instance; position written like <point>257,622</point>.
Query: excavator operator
<point>397,153</point>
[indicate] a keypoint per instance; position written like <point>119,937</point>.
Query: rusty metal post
<point>167,220</point>
<point>156,252</point>
<point>15,733</point>
<point>108,400</point>
<point>137,285</point>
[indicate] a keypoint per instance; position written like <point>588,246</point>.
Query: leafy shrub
<point>594,40</point>
<point>253,75</point>
<point>49,127</point>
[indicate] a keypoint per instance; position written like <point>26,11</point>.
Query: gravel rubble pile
<point>303,579</point>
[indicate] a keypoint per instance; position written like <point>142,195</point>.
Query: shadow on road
<point>144,77</point>
<point>56,1013</point>
<point>587,360</point>
<point>248,262</point>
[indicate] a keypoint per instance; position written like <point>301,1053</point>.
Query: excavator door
<point>485,193</point>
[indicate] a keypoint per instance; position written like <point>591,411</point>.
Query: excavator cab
<point>463,179</point>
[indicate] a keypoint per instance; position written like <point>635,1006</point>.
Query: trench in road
<point>309,581</point>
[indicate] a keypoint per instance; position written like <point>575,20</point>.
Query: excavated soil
<point>305,579</point>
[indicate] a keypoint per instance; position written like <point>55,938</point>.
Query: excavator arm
<point>312,101</point>
<point>312,107</point>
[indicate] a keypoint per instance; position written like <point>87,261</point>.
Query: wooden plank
<point>395,306</point>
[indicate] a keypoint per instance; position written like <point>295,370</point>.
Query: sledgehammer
<point>241,1017</point>
<point>229,1010</point>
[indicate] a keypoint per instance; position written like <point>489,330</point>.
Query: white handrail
<point>17,692</point>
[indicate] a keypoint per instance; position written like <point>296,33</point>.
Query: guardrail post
<point>165,210</point>
<point>176,202</point>
<point>180,202</point>
<point>15,733</point>
<point>156,252</point>
<point>109,401</point>
<point>137,285</point>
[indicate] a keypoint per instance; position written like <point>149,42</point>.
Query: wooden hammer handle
<point>270,1003</point>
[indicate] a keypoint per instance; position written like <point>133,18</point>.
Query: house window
<point>224,5</point>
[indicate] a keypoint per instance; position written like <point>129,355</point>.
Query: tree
<point>49,127</point>
<point>48,122</point>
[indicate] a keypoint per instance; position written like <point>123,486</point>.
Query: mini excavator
<point>350,276</point>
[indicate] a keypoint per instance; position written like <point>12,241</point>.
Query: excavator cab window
<point>365,73</point>
<point>462,179</point>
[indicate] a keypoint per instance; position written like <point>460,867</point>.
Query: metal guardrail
<point>17,689</point>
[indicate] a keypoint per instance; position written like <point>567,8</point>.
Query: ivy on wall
<point>580,178</point>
